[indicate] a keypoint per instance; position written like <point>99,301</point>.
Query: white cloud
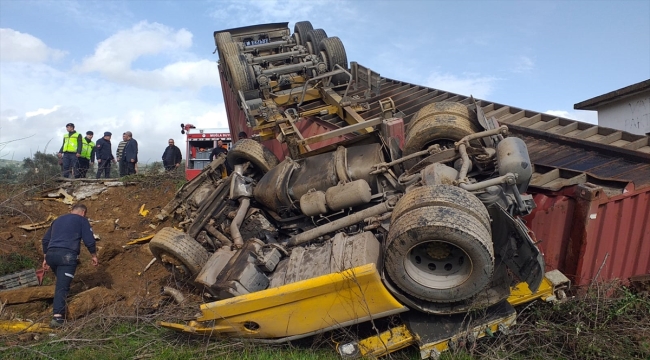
<point>41,111</point>
<point>523,64</point>
<point>17,46</point>
<point>467,84</point>
<point>580,115</point>
<point>53,98</point>
<point>114,58</point>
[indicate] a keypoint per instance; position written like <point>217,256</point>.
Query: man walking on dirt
<point>104,156</point>
<point>87,155</point>
<point>172,156</point>
<point>130,156</point>
<point>70,151</point>
<point>61,245</point>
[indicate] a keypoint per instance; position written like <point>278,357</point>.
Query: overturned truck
<point>363,218</point>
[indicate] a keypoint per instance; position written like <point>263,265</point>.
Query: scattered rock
<point>88,301</point>
<point>23,295</point>
<point>109,251</point>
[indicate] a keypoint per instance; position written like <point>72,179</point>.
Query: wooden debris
<point>25,295</point>
<point>38,225</point>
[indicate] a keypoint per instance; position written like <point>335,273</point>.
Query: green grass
<point>12,263</point>
<point>589,325</point>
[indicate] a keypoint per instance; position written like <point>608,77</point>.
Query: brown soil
<point>115,218</point>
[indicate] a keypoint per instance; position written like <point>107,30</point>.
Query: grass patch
<point>603,322</point>
<point>12,263</point>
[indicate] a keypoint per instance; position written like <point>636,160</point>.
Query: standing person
<point>242,135</point>
<point>70,151</point>
<point>61,245</point>
<point>218,150</point>
<point>87,155</point>
<point>104,155</point>
<point>172,156</point>
<point>119,153</point>
<point>130,155</point>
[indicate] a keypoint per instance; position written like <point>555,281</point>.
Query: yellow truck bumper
<point>299,309</point>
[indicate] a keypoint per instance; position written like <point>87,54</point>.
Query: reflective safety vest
<point>86,148</point>
<point>70,142</point>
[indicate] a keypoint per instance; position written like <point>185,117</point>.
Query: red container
<point>590,235</point>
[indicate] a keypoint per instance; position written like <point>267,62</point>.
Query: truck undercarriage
<point>370,218</point>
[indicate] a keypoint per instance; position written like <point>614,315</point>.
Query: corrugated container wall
<point>590,236</point>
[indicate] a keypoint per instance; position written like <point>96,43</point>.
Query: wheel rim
<point>438,264</point>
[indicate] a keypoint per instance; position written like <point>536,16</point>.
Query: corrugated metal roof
<point>552,141</point>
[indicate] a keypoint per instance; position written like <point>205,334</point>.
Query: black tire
<point>439,254</point>
<point>220,39</point>
<point>230,48</point>
<point>314,38</point>
<point>301,29</point>
<point>441,123</point>
<point>250,150</point>
<point>240,73</point>
<point>180,253</point>
<point>442,195</point>
<point>334,54</point>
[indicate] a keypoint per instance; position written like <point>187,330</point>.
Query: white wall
<point>630,114</point>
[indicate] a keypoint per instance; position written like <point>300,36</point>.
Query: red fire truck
<point>198,145</point>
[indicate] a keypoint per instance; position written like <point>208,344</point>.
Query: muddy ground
<point>115,218</point>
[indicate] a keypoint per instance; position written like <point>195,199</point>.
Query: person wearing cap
<point>87,155</point>
<point>172,156</point>
<point>104,155</point>
<point>70,151</point>
<point>130,155</point>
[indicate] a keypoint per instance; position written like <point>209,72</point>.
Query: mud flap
<point>516,247</point>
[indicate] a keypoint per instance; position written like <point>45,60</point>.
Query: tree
<point>41,168</point>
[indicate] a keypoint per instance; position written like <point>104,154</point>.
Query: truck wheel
<point>442,195</point>
<point>178,252</point>
<point>250,150</point>
<point>220,39</point>
<point>441,108</point>
<point>439,254</point>
<point>230,48</point>
<point>301,29</point>
<point>314,38</point>
<point>242,79</point>
<point>431,126</point>
<point>333,52</point>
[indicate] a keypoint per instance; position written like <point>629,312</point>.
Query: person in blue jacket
<point>61,245</point>
<point>130,154</point>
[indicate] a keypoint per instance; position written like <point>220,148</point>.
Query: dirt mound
<point>115,217</point>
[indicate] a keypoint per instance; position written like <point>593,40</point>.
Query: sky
<point>148,66</point>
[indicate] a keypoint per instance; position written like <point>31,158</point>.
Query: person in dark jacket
<point>87,157</point>
<point>61,245</point>
<point>220,149</point>
<point>172,156</point>
<point>130,155</point>
<point>70,151</point>
<point>104,155</point>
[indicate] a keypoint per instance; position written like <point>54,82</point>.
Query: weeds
<point>12,263</point>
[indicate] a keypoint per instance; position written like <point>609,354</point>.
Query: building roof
<point>598,101</point>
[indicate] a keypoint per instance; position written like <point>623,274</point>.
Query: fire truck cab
<point>198,145</point>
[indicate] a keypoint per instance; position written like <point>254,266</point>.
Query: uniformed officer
<point>104,155</point>
<point>70,151</point>
<point>87,155</point>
